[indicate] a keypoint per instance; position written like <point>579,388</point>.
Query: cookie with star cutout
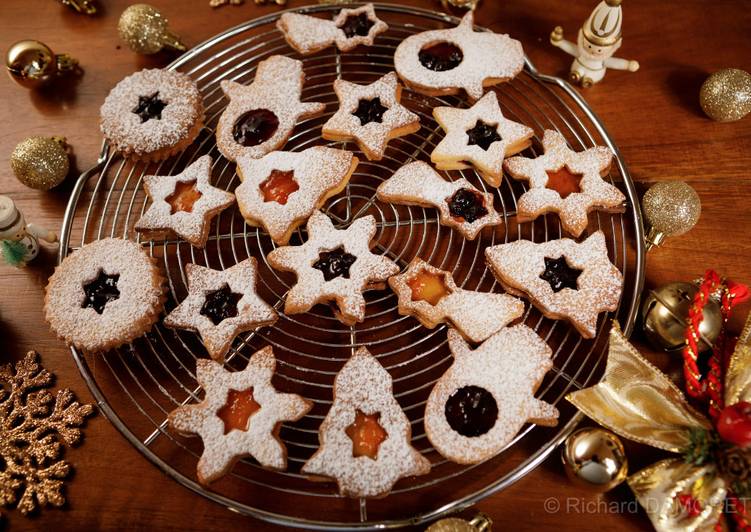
<point>183,204</point>
<point>349,29</point>
<point>563,278</point>
<point>480,136</point>
<point>220,305</point>
<point>371,115</point>
<point>366,437</point>
<point>260,117</point>
<point>460,205</point>
<point>487,395</point>
<point>566,182</point>
<point>440,62</point>
<point>333,264</point>
<point>281,190</point>
<point>431,295</point>
<point>240,416</point>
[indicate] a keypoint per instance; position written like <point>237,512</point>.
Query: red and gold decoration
<point>144,29</point>
<point>41,162</point>
<point>479,523</point>
<point>594,458</point>
<point>726,95</point>
<point>32,64</point>
<point>671,208</point>
<point>87,7</point>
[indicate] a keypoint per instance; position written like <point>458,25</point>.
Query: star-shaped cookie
<point>184,203</point>
<point>444,61</point>
<point>280,190</point>
<point>565,279</point>
<point>566,182</point>
<point>335,265</point>
<point>261,116</point>
<point>460,205</point>
<point>365,437</point>
<point>239,416</point>
<point>431,295</point>
<point>480,136</point>
<point>370,114</point>
<point>220,305</point>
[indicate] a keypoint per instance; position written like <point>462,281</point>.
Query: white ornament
<point>13,227</point>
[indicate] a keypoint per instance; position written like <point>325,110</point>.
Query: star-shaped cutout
<point>364,386</point>
<point>459,147</point>
<point>370,114</point>
<point>566,182</point>
<point>249,403</point>
<point>184,203</point>
<point>318,173</point>
<point>560,275</point>
<point>149,107</point>
<point>219,327</point>
<point>367,271</point>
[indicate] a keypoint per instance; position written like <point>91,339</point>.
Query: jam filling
<point>564,181</point>
<point>149,107</point>
<point>279,186</point>
<point>441,56</point>
<point>101,291</point>
<point>255,127</point>
<point>370,111</point>
<point>428,286</point>
<point>559,274</point>
<point>366,434</point>
<point>334,263</point>
<point>236,412</point>
<point>221,304</point>
<point>467,205</point>
<point>184,197</point>
<point>357,25</point>
<point>471,411</point>
<point>483,135</point>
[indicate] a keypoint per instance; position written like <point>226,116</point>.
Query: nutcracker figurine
<point>19,243</point>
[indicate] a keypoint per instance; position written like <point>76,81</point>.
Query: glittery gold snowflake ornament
<point>35,425</point>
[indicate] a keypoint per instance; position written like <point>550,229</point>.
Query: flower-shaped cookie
<point>220,305</point>
<point>564,181</point>
<point>239,416</point>
<point>184,203</point>
<point>370,114</point>
<point>563,278</point>
<point>333,265</point>
<point>479,135</point>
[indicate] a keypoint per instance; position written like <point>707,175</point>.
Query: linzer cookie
<point>371,115</point>
<point>183,204</point>
<point>334,264</point>
<point>431,296</point>
<point>220,305</point>
<point>365,437</point>
<point>239,416</point>
<point>480,136</point>
<point>565,279</point>
<point>439,62</point>
<point>565,182</point>
<point>152,114</point>
<point>104,295</point>
<point>487,395</point>
<point>349,29</point>
<point>260,117</point>
<point>460,205</point>
<point>280,190</point>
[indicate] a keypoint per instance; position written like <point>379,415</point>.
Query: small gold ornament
<point>480,523</point>
<point>144,30</point>
<point>41,162</point>
<point>31,63</point>
<point>726,95</point>
<point>460,4</point>
<point>671,209</point>
<point>594,458</point>
<point>82,6</point>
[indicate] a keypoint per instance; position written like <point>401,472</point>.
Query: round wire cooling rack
<point>137,386</point>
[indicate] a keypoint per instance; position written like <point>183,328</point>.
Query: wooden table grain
<point>653,116</point>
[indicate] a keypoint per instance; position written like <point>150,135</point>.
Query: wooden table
<point>653,115</point>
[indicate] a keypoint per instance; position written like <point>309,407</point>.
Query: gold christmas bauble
<point>480,523</point>
<point>144,29</point>
<point>726,95</point>
<point>31,63</point>
<point>671,208</point>
<point>594,458</point>
<point>41,162</point>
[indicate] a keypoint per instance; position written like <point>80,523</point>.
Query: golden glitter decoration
<point>671,209</point>
<point>144,29</point>
<point>726,95</point>
<point>35,425</point>
<point>32,64</point>
<point>40,162</point>
<point>87,7</point>
<point>595,458</point>
<point>480,523</point>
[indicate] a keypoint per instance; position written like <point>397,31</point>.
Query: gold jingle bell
<point>32,64</point>
<point>144,29</point>
<point>480,523</point>
<point>594,458</point>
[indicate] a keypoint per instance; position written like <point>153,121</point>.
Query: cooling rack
<point>137,386</point>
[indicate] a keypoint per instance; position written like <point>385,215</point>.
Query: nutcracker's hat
<point>603,27</point>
